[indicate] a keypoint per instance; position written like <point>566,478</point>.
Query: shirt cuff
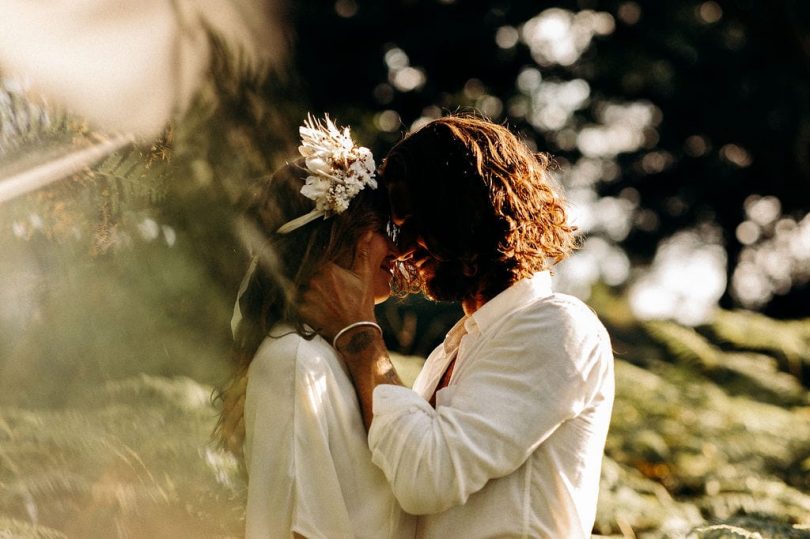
<point>390,404</point>
<point>391,399</point>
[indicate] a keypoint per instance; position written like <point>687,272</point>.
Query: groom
<point>504,430</point>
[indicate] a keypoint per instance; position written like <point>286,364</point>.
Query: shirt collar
<point>453,337</point>
<point>520,294</point>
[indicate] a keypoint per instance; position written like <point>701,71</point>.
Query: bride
<point>305,447</point>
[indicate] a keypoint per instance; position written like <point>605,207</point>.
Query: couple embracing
<point>503,431</point>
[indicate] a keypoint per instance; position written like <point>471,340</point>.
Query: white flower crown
<point>338,170</point>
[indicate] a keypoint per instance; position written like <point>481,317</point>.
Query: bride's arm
<point>337,298</point>
<point>366,356</point>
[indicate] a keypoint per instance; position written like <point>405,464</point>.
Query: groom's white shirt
<point>514,446</point>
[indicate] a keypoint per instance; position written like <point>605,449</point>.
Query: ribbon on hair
<point>299,221</point>
<point>236,318</point>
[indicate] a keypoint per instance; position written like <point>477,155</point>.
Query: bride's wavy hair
<point>482,199</point>
<point>285,264</point>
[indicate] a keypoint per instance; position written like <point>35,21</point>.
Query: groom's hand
<point>337,297</point>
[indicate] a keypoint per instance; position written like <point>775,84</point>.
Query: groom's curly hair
<point>483,198</point>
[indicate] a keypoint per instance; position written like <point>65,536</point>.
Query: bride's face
<point>381,257</point>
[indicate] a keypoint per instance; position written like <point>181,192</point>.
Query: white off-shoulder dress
<point>306,449</point>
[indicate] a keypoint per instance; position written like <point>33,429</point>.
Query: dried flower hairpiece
<point>338,169</point>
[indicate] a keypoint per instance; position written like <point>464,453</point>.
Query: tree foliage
<point>729,82</point>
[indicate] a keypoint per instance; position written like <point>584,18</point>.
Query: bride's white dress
<point>306,449</point>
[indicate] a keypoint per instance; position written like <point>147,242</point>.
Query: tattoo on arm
<point>371,367</point>
<point>382,371</point>
<point>390,376</point>
<point>359,342</point>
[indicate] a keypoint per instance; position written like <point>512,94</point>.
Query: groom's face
<point>441,275</point>
<point>408,235</point>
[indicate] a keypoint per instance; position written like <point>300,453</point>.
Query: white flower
<point>318,165</point>
<point>318,190</point>
<point>339,168</point>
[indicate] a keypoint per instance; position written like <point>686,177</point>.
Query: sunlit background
<point>681,138</point>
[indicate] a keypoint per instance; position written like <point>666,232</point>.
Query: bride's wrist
<point>356,336</point>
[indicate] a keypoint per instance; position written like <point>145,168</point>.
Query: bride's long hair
<point>285,264</point>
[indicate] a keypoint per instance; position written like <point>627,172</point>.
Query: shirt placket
<point>444,381</point>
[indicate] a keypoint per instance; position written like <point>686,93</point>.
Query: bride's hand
<point>337,297</point>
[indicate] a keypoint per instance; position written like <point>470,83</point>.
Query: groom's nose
<point>405,252</point>
<point>406,240</point>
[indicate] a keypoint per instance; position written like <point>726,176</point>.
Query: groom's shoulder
<point>570,306</point>
<point>559,315</point>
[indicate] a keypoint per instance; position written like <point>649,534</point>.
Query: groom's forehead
<point>401,201</point>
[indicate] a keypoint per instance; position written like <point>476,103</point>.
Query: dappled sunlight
<point>611,216</point>
<point>776,252</point>
<point>623,127</point>
<point>554,103</point>
<point>685,281</point>
<point>388,121</point>
<point>401,74</point>
<point>559,36</point>
<point>316,392</point>
<point>150,230</point>
<point>597,261</point>
<point>507,37</point>
<point>224,465</point>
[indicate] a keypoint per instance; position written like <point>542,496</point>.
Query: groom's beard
<point>445,281</point>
